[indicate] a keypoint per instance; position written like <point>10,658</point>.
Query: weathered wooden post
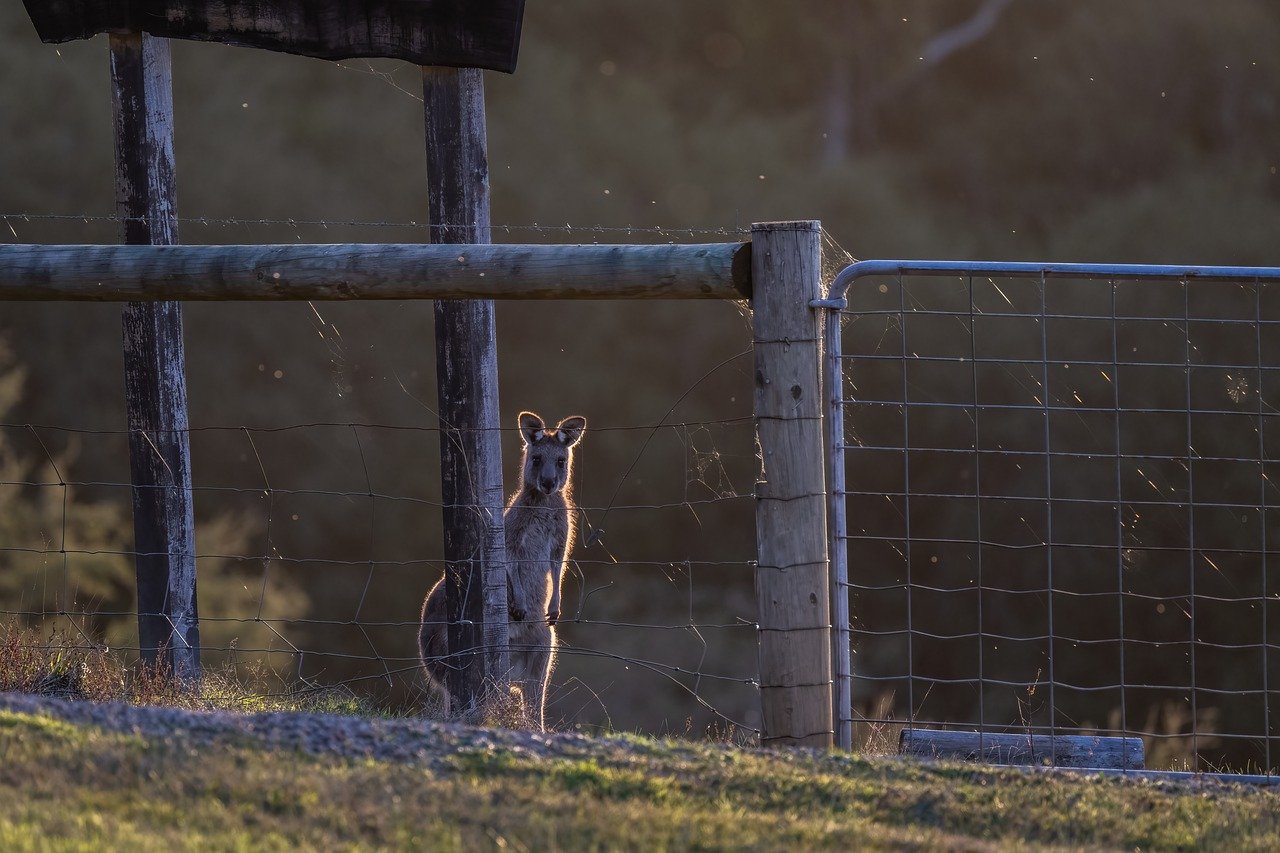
<point>467,392</point>
<point>466,34</point>
<point>155,384</point>
<point>791,528</point>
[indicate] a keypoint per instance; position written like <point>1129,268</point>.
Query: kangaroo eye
<point>537,460</point>
<point>559,463</point>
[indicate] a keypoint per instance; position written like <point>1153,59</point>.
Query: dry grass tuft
<point>503,707</point>
<point>64,666</point>
<point>57,666</point>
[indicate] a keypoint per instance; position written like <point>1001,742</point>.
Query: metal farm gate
<point>1053,506</point>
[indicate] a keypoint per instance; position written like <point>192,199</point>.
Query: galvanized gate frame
<point>833,303</point>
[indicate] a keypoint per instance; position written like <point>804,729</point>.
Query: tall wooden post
<point>155,380</point>
<point>791,529</point>
<point>467,389</point>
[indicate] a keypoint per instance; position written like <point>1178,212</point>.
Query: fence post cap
<point>789,225</point>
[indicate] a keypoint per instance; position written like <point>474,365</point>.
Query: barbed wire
<point>243,428</point>
<point>381,496</point>
<point>365,657</point>
<point>705,479</point>
<point>566,228</point>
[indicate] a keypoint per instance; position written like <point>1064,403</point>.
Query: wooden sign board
<point>458,33</point>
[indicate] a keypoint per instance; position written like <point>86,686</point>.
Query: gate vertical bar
<point>792,589</point>
<point>467,391</point>
<point>838,547</point>
<point>154,361</point>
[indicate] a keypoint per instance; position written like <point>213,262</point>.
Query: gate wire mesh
<point>1060,507</point>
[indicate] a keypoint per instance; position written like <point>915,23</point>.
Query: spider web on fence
<point>678,619</point>
<point>597,579</point>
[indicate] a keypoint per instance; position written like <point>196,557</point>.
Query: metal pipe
<point>832,382</point>
<point>1158,272</point>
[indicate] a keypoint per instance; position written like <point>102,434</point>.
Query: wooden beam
<point>94,273</point>
<point>791,529</point>
<point>1120,753</point>
<point>475,551</point>
<point>155,380</point>
<point>473,33</point>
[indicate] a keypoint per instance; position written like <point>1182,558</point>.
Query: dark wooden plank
<point>155,381</point>
<point>461,33</point>
<point>467,393</point>
<point>791,524</point>
<point>34,272</point>
<point>1035,750</point>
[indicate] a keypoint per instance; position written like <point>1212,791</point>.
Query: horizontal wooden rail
<point>340,271</point>
<point>1037,750</point>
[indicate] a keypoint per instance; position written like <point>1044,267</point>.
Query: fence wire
<point>318,538</point>
<point>1059,504</point>
<point>283,585</point>
<point>36,227</point>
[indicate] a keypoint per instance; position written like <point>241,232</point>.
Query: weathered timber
<point>465,33</point>
<point>1121,753</point>
<point>155,381</point>
<point>791,530</point>
<point>475,555</point>
<point>96,273</point>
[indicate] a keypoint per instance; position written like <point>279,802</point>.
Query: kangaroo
<point>539,525</point>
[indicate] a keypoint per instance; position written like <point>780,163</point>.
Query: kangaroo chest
<point>535,537</point>
<point>532,534</point>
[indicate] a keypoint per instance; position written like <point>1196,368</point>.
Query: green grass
<point>69,787</point>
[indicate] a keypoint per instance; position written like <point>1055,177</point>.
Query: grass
<point>69,787</point>
<point>63,666</point>
<point>78,787</point>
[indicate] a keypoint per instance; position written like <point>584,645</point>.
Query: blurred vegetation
<point>1062,129</point>
<point>65,565</point>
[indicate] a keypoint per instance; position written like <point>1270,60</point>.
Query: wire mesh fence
<point>315,577</point>
<point>1054,497</point>
<point>317,489</point>
<point>1060,507</point>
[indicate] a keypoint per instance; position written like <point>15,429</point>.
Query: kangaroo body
<point>539,528</point>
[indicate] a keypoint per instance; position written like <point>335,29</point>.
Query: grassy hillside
<point>68,787</point>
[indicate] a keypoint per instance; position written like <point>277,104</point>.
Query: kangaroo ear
<point>570,430</point>
<point>531,427</point>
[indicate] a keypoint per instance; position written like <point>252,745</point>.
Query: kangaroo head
<point>548,453</point>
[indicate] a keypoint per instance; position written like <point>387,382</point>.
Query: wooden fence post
<point>791,528</point>
<point>467,390</point>
<point>154,364</point>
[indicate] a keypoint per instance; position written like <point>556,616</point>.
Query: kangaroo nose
<point>548,486</point>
